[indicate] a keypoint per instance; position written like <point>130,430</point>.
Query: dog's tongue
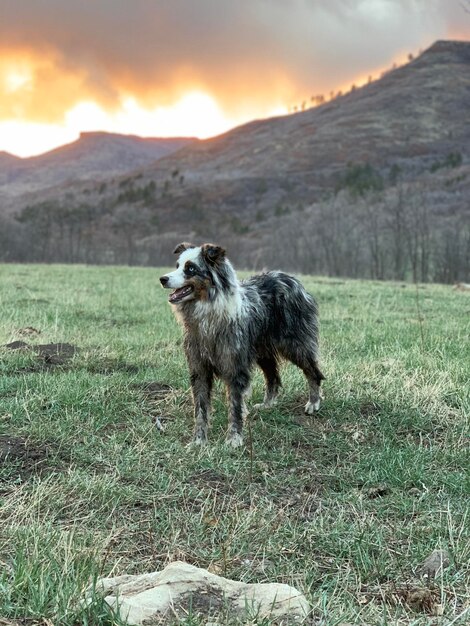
<point>179,294</point>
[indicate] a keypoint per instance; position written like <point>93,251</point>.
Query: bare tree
<point>395,210</point>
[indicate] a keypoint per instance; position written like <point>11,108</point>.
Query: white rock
<point>181,588</point>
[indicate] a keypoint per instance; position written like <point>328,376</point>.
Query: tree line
<point>393,235</point>
<point>369,226</point>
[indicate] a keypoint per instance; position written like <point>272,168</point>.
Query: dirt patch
<point>156,396</point>
<point>216,481</point>
<point>22,457</point>
<point>49,355</point>
<point>153,390</point>
<point>420,599</point>
<point>300,505</point>
<point>56,353</point>
<point>28,331</point>
<point>16,345</point>
<point>377,491</point>
<point>369,409</point>
<point>207,601</point>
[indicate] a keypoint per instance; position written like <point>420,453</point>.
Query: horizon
<point>358,84</point>
<point>61,75</point>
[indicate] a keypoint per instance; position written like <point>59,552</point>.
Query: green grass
<point>345,506</point>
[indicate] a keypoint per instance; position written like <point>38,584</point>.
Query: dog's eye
<point>190,269</point>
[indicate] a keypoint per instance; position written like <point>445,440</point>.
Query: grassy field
<point>346,505</point>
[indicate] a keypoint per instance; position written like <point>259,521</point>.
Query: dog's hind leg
<point>306,360</point>
<point>314,378</point>
<point>236,389</point>
<point>201,384</point>
<point>272,380</point>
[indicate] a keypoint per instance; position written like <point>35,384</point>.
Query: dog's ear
<point>181,247</point>
<point>211,253</point>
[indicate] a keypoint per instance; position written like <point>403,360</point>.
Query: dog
<point>229,326</point>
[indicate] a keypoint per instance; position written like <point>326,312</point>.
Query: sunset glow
<point>193,69</point>
<point>195,115</point>
<point>44,105</point>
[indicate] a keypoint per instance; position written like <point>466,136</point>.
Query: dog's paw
<point>234,439</point>
<point>311,407</point>
<point>198,441</point>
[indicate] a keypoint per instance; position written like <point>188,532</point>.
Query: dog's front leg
<point>237,389</point>
<point>201,384</point>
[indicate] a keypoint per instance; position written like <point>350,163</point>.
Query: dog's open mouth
<point>179,294</point>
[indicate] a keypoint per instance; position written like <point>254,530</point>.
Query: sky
<point>193,67</point>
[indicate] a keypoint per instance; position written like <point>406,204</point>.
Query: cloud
<point>248,54</point>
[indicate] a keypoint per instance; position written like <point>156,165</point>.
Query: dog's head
<point>195,274</point>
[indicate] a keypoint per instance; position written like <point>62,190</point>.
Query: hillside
<point>8,160</point>
<point>411,117</point>
<point>375,183</point>
<point>94,156</point>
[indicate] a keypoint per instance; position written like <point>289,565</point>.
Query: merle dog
<point>230,326</point>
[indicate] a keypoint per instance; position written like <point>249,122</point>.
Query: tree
<point>128,223</point>
<point>395,205</point>
<point>38,220</point>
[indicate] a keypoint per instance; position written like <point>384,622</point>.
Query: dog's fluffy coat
<point>229,326</point>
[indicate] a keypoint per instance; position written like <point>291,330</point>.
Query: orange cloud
<point>246,59</point>
<point>38,87</point>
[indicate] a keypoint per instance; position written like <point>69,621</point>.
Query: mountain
<point>94,155</point>
<point>411,117</point>
<point>373,183</point>
<point>8,160</point>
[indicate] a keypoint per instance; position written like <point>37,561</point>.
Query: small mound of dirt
<point>49,353</point>
<point>153,390</point>
<point>56,353</point>
<point>418,598</point>
<point>28,331</point>
<point>377,491</point>
<point>26,456</point>
<point>16,345</point>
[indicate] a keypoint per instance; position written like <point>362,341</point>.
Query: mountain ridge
<point>93,155</point>
<point>373,183</point>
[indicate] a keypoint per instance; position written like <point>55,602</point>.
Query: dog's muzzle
<point>178,294</point>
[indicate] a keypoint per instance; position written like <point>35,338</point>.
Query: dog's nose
<point>164,280</point>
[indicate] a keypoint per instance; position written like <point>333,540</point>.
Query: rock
<point>435,563</point>
<point>180,588</point>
